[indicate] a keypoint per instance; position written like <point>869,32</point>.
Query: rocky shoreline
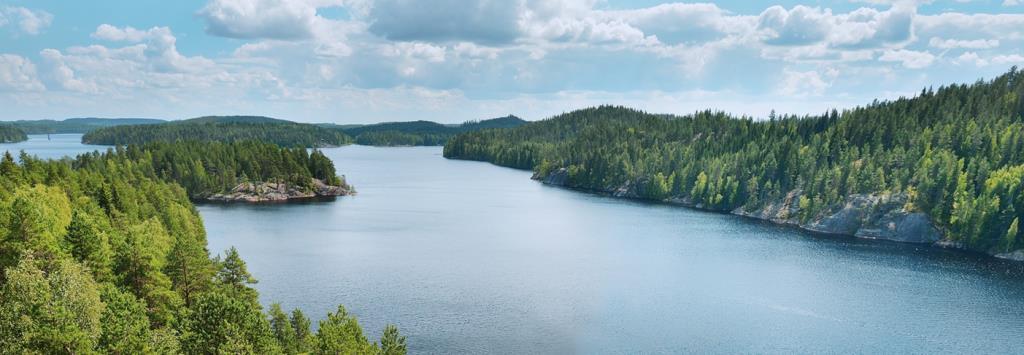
<point>280,192</point>
<point>868,216</point>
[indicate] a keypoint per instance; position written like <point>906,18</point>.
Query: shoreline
<point>942,243</point>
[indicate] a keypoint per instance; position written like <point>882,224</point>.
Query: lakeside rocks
<point>869,216</point>
<point>279,192</point>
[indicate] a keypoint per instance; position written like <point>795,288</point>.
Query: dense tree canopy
<point>222,129</point>
<point>99,256</point>
<point>205,168</point>
<point>422,133</point>
<point>11,134</point>
<point>956,152</point>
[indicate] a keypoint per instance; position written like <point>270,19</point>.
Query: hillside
<point>103,257</point>
<point>222,129</point>
<point>78,125</point>
<point>422,133</point>
<point>11,134</point>
<point>945,167</point>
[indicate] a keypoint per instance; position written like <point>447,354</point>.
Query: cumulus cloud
<point>1000,60</point>
<point>268,19</point>
<point>31,22</point>
<point>910,59</point>
<point>969,44</point>
<point>395,54</point>
<point>158,47</point>
<point>18,74</point>
<point>800,26</point>
<point>805,83</point>
<point>488,22</point>
<point>685,23</point>
<point>861,28</point>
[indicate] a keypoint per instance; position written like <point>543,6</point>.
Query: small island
<point>243,171</point>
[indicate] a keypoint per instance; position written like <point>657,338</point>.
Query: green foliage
<point>340,334</point>
<point>303,336</point>
<point>106,256</point>
<point>207,168</point>
<point>125,325</point>
<point>11,134</point>
<point>953,152</point>
<point>53,308</point>
<point>35,222</point>
<point>234,278</point>
<point>220,323</point>
<point>391,343</point>
<point>221,129</point>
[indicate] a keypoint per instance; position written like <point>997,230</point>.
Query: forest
<point>956,153</point>
<point>11,134</point>
<point>77,125</point>
<point>207,168</point>
<point>222,129</point>
<point>98,256</point>
<point>421,133</point>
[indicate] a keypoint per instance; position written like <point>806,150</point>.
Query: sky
<point>364,61</point>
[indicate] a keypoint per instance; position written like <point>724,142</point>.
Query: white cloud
<point>1011,2</point>
<point>29,21</point>
<point>395,59</point>
<point>159,47</point>
<point>969,44</point>
<point>800,26</point>
<point>267,19</point>
<point>18,74</point>
<point>806,83</point>
<point>1000,60</point>
<point>111,33</point>
<point>910,59</point>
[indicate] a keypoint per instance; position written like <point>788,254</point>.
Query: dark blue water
<point>467,257</point>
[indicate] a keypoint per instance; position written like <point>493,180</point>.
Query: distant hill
<point>77,125</point>
<point>509,121</point>
<point>11,134</point>
<point>233,119</point>
<point>421,133</point>
<point>222,129</point>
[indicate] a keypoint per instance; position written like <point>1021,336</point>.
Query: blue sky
<point>350,61</point>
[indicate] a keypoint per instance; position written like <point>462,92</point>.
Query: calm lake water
<point>467,257</point>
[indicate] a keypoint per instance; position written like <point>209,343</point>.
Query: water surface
<point>467,257</point>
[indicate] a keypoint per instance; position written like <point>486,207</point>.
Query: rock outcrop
<point>871,216</point>
<point>279,192</point>
<point>1015,255</point>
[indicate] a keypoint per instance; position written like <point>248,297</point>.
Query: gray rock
<point>277,192</point>
<point>902,226</point>
<point>1017,255</point>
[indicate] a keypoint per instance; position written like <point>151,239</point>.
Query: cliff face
<point>871,216</point>
<point>279,192</point>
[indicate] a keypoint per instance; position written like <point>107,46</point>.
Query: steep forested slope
<point>11,134</point>
<point>954,155</point>
<point>222,129</point>
<point>106,259</point>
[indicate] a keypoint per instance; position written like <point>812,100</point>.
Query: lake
<point>467,257</point>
